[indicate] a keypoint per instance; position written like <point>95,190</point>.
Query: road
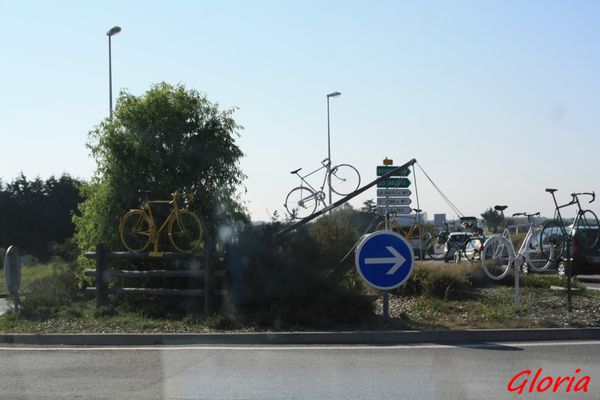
<point>590,281</point>
<point>292,372</point>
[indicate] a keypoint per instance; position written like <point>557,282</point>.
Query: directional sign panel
<point>393,192</point>
<point>401,210</point>
<point>384,259</point>
<point>393,201</point>
<point>382,170</point>
<point>394,183</point>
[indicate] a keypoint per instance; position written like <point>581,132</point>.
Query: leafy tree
<point>168,139</point>
<point>36,214</point>
<point>369,206</point>
<point>492,218</point>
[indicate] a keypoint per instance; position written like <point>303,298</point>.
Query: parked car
<point>585,261</point>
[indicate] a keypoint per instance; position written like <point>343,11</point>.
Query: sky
<point>496,100</point>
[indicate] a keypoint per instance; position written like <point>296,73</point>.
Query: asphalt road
<point>590,281</point>
<point>288,372</point>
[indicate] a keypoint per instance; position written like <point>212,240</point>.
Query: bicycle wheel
<point>587,229</point>
<point>301,202</point>
<point>536,261</point>
<point>134,230</point>
<point>496,257</point>
<point>472,249</point>
<point>185,231</point>
<point>437,247</point>
<point>344,179</point>
<point>552,240</point>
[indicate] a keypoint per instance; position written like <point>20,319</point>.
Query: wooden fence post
<point>101,282</point>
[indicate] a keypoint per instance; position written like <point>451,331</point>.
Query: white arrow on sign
<point>397,260</point>
<point>393,192</point>
<point>393,201</point>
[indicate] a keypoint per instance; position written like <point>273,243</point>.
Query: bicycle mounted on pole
<point>302,201</point>
<point>499,256</point>
<point>554,232</point>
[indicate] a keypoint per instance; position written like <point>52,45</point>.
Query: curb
<point>306,338</point>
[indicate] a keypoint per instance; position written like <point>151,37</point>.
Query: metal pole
<point>110,79</point>
<point>569,273</point>
<point>517,288</point>
<point>328,148</point>
<point>386,295</point>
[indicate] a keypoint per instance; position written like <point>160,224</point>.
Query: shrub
<point>282,281</point>
<point>46,296</point>
<point>444,281</point>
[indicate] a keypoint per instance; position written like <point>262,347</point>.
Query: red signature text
<point>539,382</point>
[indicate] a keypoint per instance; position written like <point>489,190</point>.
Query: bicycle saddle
<point>551,190</point>
<point>144,191</point>
<point>417,210</point>
<point>500,208</point>
<point>295,171</point>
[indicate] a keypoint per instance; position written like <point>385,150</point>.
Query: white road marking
<point>305,347</point>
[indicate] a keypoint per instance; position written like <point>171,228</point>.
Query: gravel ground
<point>494,308</point>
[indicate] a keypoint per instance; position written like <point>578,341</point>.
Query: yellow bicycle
<point>137,228</point>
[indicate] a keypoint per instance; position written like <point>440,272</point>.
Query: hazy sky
<point>495,99</point>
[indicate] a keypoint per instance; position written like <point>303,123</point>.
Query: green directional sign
<point>394,183</point>
<point>384,169</point>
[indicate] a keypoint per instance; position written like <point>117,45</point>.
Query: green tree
<point>492,218</point>
<point>168,139</point>
<point>34,214</point>
<point>369,206</point>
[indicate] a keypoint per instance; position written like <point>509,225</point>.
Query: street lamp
<point>113,31</point>
<point>330,95</point>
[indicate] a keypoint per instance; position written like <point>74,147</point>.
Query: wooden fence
<point>104,273</point>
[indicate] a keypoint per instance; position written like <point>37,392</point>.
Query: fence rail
<point>103,275</point>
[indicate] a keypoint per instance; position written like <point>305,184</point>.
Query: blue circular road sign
<point>384,259</point>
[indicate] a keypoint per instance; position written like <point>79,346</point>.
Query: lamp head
<point>334,94</point>
<point>113,31</point>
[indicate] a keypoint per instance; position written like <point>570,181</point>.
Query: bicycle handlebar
<point>526,214</point>
<point>593,194</point>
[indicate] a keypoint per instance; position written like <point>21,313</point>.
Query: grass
<point>29,274</point>
<point>438,296</point>
<point>83,318</point>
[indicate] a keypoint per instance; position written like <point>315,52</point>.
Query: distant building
<point>406,220</point>
<point>439,219</point>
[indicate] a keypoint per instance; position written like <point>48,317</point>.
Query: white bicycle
<point>302,201</point>
<point>499,255</point>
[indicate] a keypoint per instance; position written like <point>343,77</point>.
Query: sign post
<point>392,200</point>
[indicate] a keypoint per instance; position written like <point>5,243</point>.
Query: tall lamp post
<point>330,95</point>
<point>113,31</point>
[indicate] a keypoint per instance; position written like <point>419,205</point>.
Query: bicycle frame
<point>519,257</point>
<point>327,165</point>
<point>574,200</point>
<point>147,209</point>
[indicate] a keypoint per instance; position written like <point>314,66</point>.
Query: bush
<point>47,296</point>
<point>444,281</point>
<point>283,281</point>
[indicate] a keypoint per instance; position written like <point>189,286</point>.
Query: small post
<point>517,290</point>
<point>101,282</point>
<point>569,273</point>
<point>386,295</point>
<point>386,305</point>
<point>207,284</point>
